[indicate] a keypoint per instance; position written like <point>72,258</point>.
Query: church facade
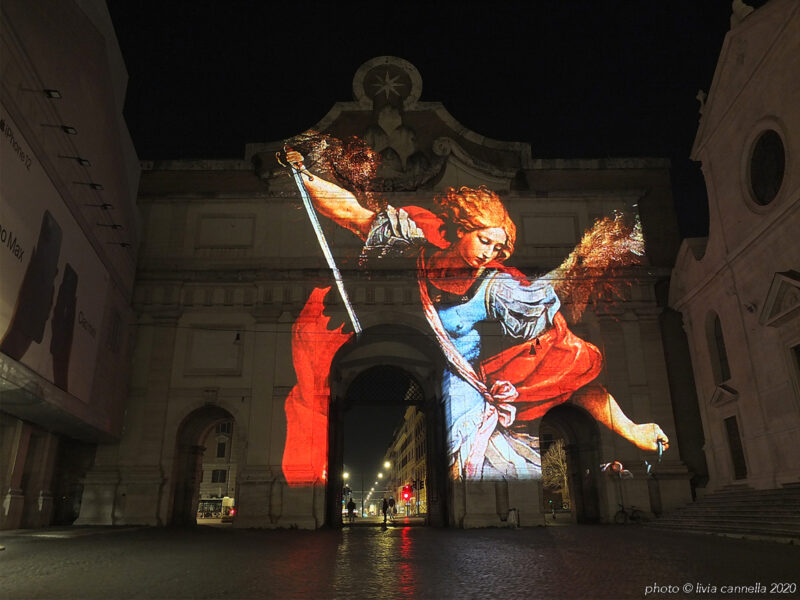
<point>738,290</point>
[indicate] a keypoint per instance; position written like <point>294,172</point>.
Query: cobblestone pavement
<point>591,562</point>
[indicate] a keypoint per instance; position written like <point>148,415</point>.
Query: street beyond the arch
<point>582,562</point>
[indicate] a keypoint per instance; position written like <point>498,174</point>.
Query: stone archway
<point>188,462</point>
<point>406,366</point>
<point>581,443</point>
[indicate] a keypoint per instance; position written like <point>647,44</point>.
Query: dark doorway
<point>384,443</point>
<point>578,433</point>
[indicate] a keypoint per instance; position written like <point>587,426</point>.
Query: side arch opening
<point>190,449</point>
<point>575,429</point>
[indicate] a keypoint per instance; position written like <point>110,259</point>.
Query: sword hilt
<point>281,157</point>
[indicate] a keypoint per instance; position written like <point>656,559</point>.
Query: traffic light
<point>406,492</point>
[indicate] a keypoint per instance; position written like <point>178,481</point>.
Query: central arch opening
<point>386,430</point>
<point>383,448</point>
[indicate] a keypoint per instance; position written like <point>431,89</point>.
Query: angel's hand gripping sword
<point>323,243</point>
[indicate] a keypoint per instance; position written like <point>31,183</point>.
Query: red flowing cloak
<point>305,454</point>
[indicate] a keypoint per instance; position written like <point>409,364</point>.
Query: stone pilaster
<point>39,495</point>
<point>14,500</point>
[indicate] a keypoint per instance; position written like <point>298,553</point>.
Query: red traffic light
<point>406,492</point>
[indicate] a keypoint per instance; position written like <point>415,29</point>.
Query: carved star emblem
<point>388,86</point>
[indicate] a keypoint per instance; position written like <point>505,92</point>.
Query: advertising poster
<point>52,284</point>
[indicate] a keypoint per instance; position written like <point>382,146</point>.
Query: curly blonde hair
<point>470,209</point>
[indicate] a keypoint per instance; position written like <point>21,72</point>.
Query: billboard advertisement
<point>52,284</point>
<point>456,247</point>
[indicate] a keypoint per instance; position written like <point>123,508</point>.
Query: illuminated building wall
<point>738,289</point>
<point>239,320</point>
<point>68,239</point>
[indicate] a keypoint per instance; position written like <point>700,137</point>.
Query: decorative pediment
<point>783,299</point>
<point>421,146</point>
<point>723,394</point>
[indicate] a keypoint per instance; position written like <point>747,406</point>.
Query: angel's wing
<point>595,269</point>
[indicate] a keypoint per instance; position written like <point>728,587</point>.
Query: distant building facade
<point>406,454</point>
<point>69,231</point>
<point>739,289</point>
<point>219,469</point>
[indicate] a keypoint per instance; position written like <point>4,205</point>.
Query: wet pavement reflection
<point>592,562</point>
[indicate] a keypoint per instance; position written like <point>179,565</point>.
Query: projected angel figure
<point>459,251</point>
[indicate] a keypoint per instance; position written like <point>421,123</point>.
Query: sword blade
<point>326,250</point>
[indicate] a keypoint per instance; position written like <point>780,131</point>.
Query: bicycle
<point>634,516</point>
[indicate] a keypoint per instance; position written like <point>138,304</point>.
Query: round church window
<point>767,164</point>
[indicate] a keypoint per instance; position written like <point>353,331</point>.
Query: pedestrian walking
<point>385,509</point>
<point>392,509</point>
<point>351,511</point>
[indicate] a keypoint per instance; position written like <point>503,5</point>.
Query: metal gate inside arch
<point>384,384</point>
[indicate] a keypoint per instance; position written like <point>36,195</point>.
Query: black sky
<point>572,78</point>
<point>592,79</point>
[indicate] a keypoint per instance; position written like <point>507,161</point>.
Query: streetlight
<point>387,464</point>
<point>380,475</point>
<point>346,475</point>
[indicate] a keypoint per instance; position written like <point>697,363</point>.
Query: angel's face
<point>481,246</point>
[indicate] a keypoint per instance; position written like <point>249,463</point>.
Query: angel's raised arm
<point>333,201</point>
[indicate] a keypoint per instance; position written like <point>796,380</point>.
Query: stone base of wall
<point>98,502</point>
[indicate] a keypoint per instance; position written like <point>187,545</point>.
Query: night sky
<point>574,79</point>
